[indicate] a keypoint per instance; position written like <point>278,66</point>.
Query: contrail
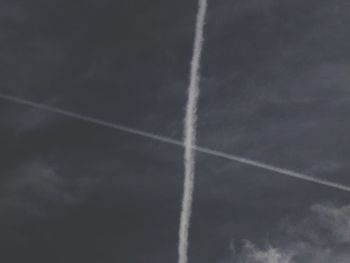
<point>190,134</point>
<point>204,150</point>
<point>90,119</point>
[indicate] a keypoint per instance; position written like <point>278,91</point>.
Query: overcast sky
<point>274,89</point>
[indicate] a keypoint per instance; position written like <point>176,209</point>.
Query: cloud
<point>32,189</point>
<point>34,192</point>
<point>271,255</point>
<point>323,236</point>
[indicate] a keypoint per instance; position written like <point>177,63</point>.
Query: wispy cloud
<point>323,236</point>
<point>32,192</point>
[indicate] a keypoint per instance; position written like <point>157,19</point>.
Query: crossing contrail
<point>204,150</point>
<point>190,134</point>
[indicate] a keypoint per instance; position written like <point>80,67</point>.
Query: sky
<point>274,88</point>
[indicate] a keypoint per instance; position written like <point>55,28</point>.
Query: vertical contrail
<point>190,133</point>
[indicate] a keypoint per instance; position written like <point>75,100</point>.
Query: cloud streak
<point>190,134</point>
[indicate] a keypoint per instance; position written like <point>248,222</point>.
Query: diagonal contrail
<point>190,133</point>
<point>89,119</point>
<point>164,139</point>
<point>167,140</point>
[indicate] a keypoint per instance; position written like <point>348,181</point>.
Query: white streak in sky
<point>167,140</point>
<point>190,134</point>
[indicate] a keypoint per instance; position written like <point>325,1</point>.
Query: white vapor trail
<point>167,140</point>
<point>190,134</point>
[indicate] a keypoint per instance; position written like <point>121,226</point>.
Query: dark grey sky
<point>274,89</point>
